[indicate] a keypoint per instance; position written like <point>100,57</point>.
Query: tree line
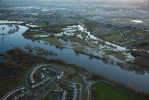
<point>142,58</point>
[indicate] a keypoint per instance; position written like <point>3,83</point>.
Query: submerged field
<point>78,37</point>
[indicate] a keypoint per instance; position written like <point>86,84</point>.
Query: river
<point>9,41</point>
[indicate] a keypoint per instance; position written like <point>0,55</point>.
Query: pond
<point>91,64</point>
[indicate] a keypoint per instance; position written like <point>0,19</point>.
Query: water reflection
<point>76,53</point>
<point>7,29</point>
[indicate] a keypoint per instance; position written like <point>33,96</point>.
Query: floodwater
<point>91,64</point>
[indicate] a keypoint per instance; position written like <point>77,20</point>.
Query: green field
<point>105,91</point>
<point>119,20</point>
<point>115,54</point>
<point>7,84</point>
<point>48,96</point>
<point>80,41</point>
<point>90,24</point>
<point>81,49</point>
<point>58,27</point>
<point>52,40</point>
<point>142,33</point>
<point>78,86</point>
<point>42,24</point>
<point>112,37</point>
<point>37,33</point>
<point>84,96</point>
<point>51,74</point>
<point>77,79</point>
<point>55,96</point>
